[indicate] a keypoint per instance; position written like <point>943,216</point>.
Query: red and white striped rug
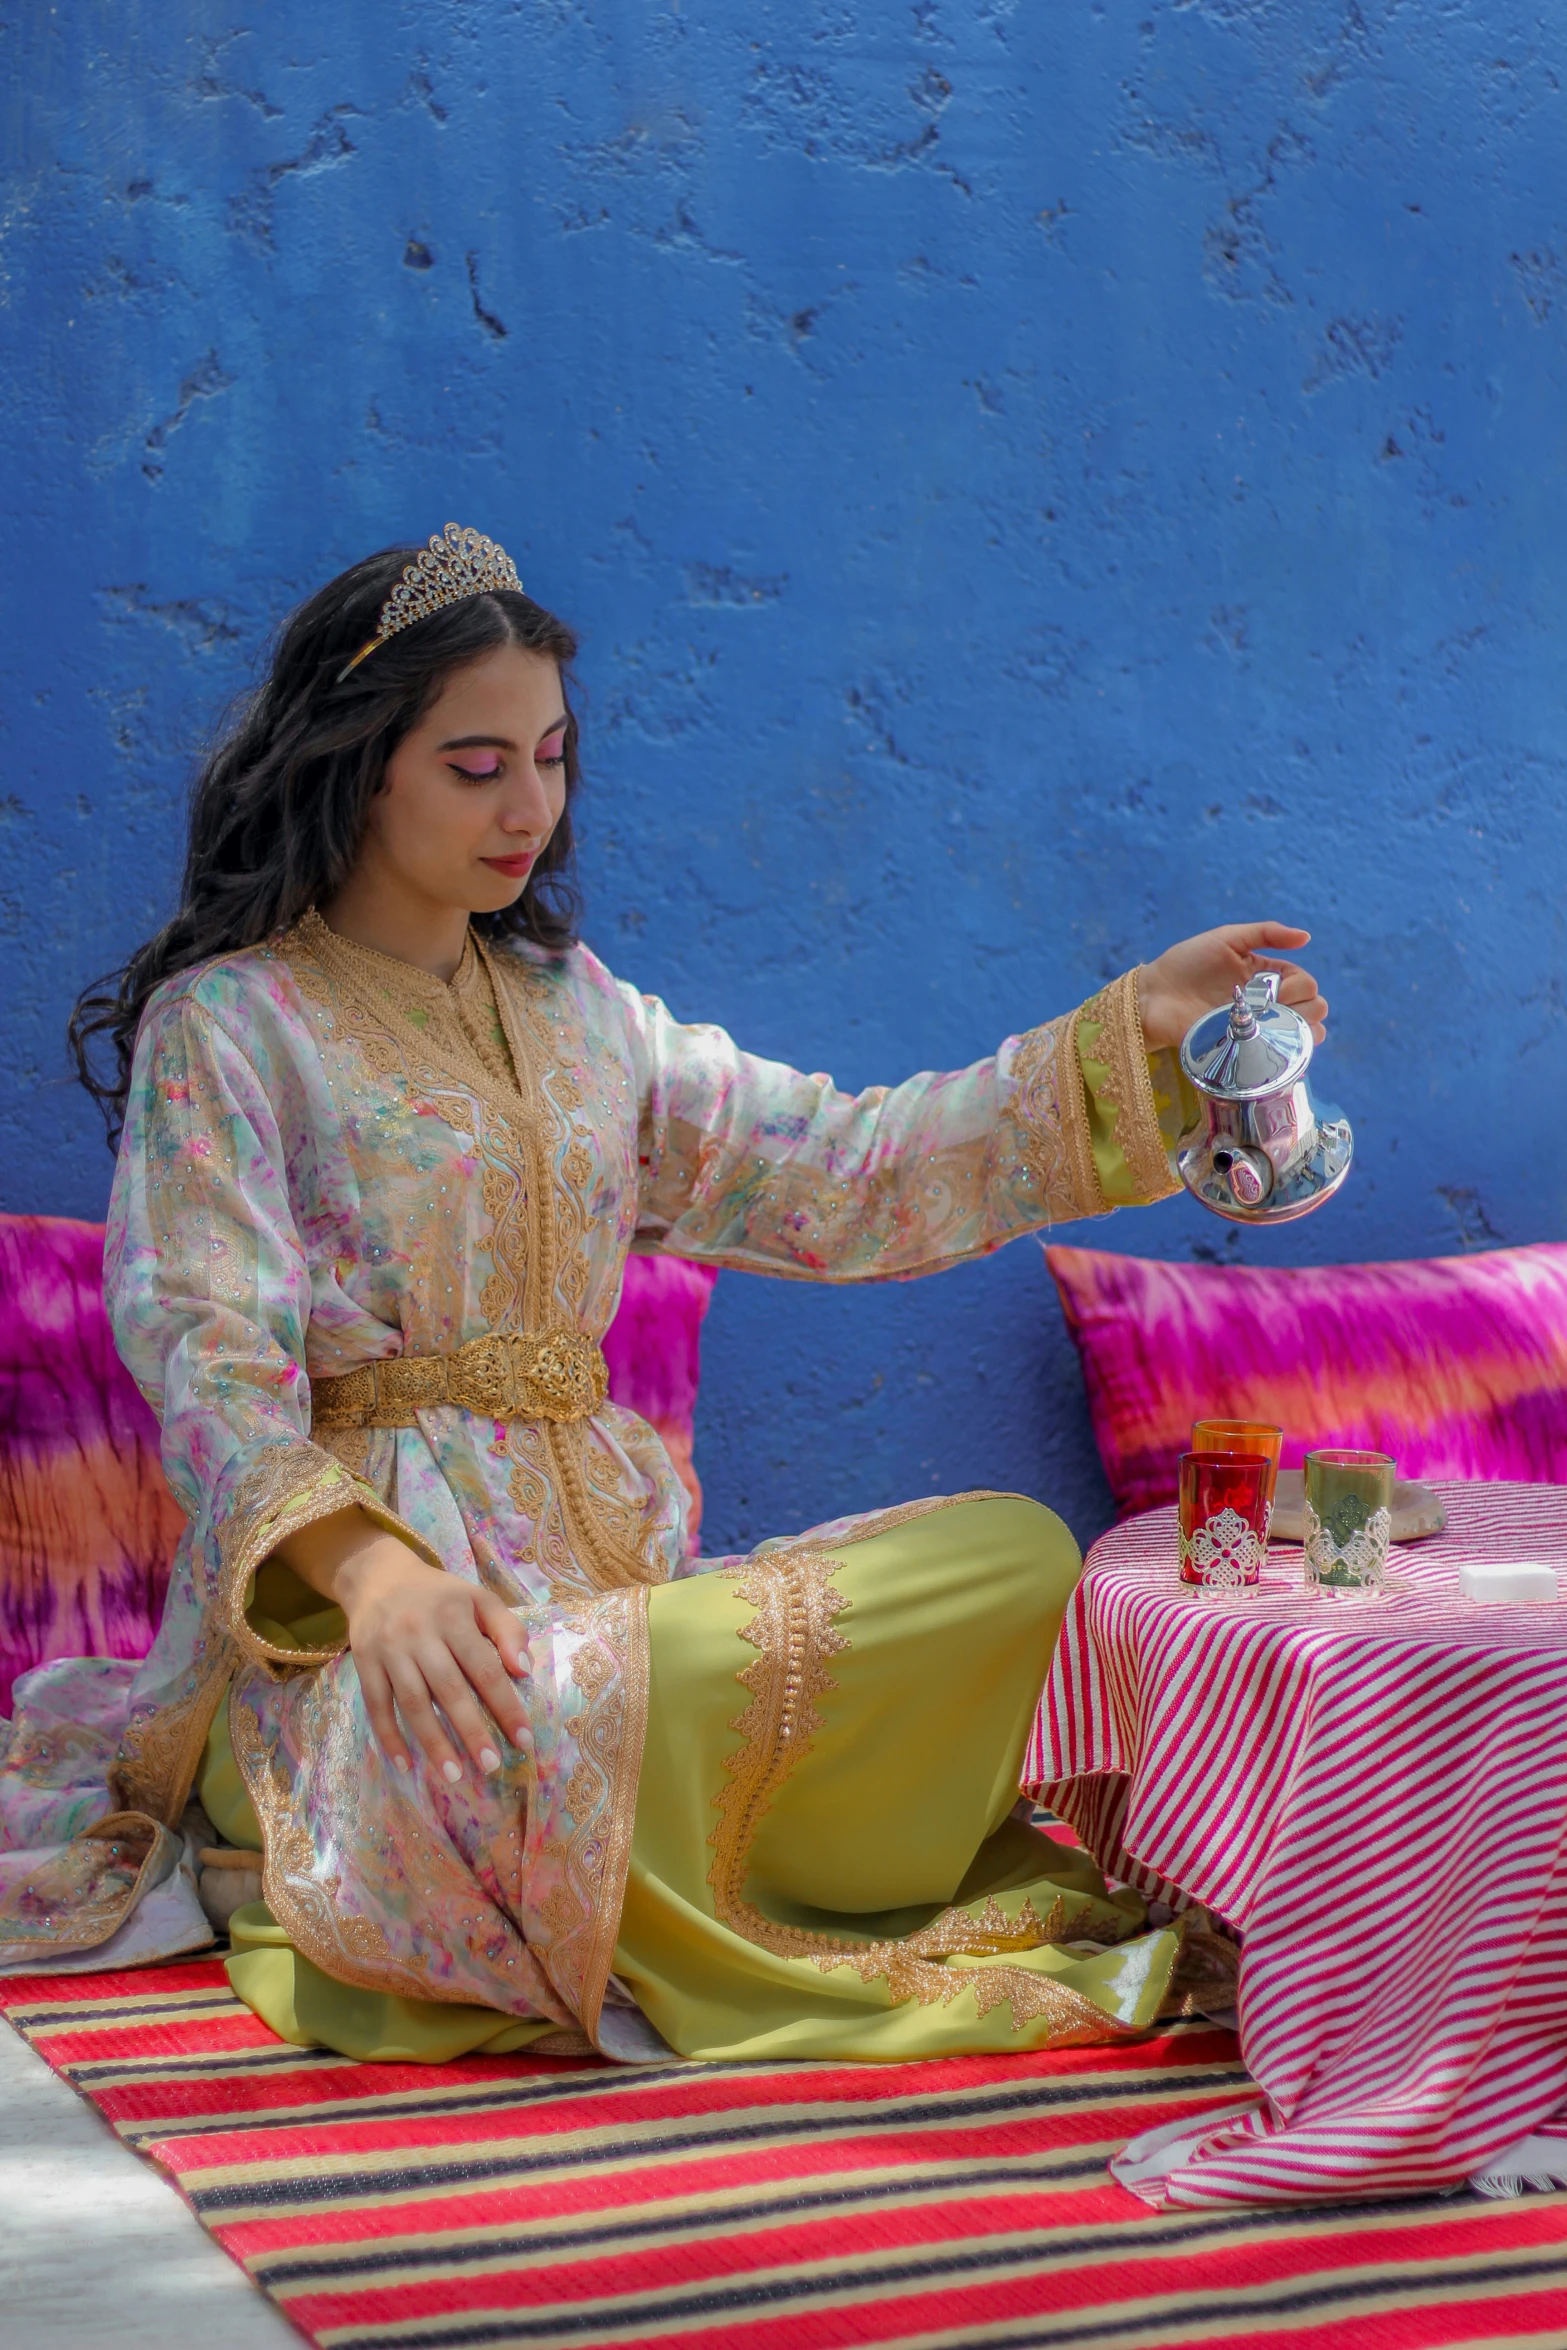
<point>578,2206</point>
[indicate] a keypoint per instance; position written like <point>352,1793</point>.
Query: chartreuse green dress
<point>829,1857</point>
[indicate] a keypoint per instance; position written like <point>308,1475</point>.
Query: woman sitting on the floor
<point>432,1642</point>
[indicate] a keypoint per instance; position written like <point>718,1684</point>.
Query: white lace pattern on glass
<point>1359,1563</point>
<point>1225,1554</point>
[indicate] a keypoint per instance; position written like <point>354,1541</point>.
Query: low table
<point>1374,1796</point>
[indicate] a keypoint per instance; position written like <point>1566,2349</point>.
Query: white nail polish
<point>401,1761</point>
<point>452,1771</point>
<point>489,1760</point>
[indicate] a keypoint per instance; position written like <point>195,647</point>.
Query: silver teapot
<point>1263,1150</point>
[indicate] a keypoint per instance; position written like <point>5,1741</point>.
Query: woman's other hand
<point>1203,972</point>
<point>421,1640</point>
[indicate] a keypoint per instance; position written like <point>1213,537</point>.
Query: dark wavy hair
<point>279,807</point>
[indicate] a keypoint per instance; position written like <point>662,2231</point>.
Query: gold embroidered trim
<point>351,1446</point>
<point>349,1948</point>
<point>533,1484</point>
<point>292,1486</point>
<point>1128,1089</point>
<point>407,1026</point>
<point>83,1893</point>
<point>563,2042</point>
<point>594,1519</point>
<point>475,995</point>
<point>160,1752</point>
<point>406,1022</point>
<point>794,1633</point>
<point>1049,1110</point>
<point>1206,1974</point>
<point>520,1024</point>
<point>611,1669</point>
<point>600,1535</point>
<point>793,1629</point>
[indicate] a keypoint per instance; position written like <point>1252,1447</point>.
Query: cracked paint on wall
<point>1031,483</point>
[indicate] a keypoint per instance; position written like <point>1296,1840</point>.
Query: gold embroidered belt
<point>502,1376</point>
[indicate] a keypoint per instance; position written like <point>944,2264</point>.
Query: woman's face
<point>474,791</point>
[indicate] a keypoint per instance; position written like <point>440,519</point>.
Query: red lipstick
<point>513,867</point>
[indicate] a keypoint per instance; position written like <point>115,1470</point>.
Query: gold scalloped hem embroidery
<point>927,1983</point>
<point>793,1594</point>
<point>293,1485</point>
<point>912,1964</point>
<point>794,1632</point>
<point>1128,1090</point>
<point>1051,1116</point>
<point>563,2041</point>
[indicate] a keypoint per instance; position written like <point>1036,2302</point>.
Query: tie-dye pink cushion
<point>654,1351</point>
<point>87,1525</point>
<point>1457,1366</point>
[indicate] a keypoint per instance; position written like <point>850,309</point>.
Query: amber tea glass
<point>1246,1437</point>
<point>1226,1501</point>
<point>1349,1522</point>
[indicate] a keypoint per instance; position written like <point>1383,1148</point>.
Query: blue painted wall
<point>1033,482</point>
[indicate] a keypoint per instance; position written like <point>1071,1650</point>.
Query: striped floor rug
<point>574,2206</point>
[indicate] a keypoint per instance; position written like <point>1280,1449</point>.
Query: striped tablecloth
<point>1375,1798</point>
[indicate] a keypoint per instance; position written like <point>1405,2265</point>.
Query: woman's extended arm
<point>751,1164</point>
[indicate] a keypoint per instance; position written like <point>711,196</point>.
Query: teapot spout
<point>1248,1173</point>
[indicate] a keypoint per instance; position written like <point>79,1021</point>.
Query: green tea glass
<point>1349,1523</point>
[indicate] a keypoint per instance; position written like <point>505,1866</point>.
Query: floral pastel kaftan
<point>332,1159</point>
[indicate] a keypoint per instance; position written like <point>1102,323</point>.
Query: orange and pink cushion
<point>1457,1366</point>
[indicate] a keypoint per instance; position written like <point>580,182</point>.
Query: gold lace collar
<point>459,1020</point>
<point>391,975</point>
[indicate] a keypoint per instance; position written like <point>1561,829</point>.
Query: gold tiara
<point>457,563</point>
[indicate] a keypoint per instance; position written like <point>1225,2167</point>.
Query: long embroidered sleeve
<point>751,1164</point>
<point>209,1290</point>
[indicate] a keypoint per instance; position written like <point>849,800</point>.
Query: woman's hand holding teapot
<point>1203,972</point>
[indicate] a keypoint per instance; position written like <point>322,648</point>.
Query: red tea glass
<point>1226,1502</point>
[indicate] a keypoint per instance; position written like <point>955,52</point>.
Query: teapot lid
<point>1250,1048</point>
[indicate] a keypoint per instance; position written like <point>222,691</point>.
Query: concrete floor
<point>96,2247</point>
